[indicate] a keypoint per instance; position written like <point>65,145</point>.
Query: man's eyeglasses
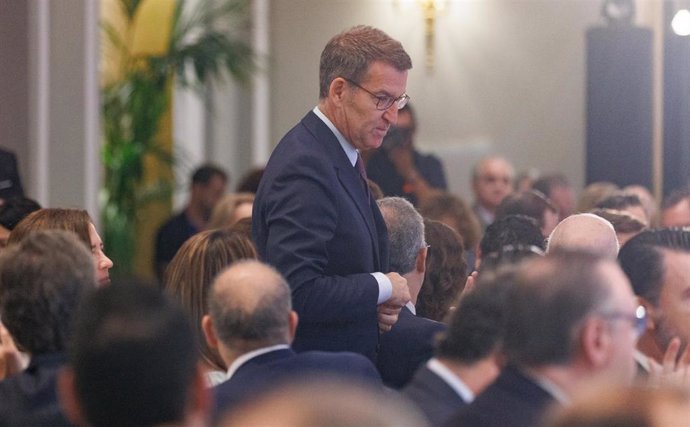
<point>384,102</point>
<point>637,320</point>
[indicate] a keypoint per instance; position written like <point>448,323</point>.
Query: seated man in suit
<point>42,280</point>
<point>492,180</point>
<point>572,319</point>
<point>133,362</point>
<point>468,357</point>
<point>411,340</point>
<point>657,262</point>
<point>252,324</point>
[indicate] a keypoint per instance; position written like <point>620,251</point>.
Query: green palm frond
<point>208,43</point>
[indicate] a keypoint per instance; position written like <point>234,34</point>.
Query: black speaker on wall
<point>619,105</point>
<point>676,112</point>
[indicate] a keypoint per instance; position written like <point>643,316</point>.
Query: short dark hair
<point>16,209</point>
<point>674,197</point>
<point>266,322</point>
<point>42,280</point>
<point>133,357</point>
<point>413,116</point>
<point>475,329</point>
<point>619,201</point>
<point>642,258</point>
<point>546,183</point>
<point>509,255</point>
<point>350,53</point>
<point>249,183</point>
<point>203,174</point>
<point>550,297</point>
<point>622,221</point>
<point>511,230</point>
<point>531,203</point>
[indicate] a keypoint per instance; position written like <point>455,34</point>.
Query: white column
<point>92,109</point>
<point>39,93</point>
<point>261,113</point>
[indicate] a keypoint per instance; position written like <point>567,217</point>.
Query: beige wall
<point>509,75</point>
<point>14,84</point>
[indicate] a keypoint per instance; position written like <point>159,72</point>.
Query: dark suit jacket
<point>29,398</point>
<point>382,171</point>
<point>269,370</point>
<point>433,396</point>
<point>315,223</point>
<point>10,184</point>
<point>513,400</point>
<point>405,347</point>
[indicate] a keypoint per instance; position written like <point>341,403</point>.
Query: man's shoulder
<point>512,400</point>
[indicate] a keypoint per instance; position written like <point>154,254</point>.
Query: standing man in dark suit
<point>411,340</point>
<point>314,219</point>
<point>251,323</point>
<point>10,184</point>
<point>572,319</point>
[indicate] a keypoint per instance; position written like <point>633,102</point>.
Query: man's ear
<point>652,312</point>
<point>293,321</point>
<point>336,90</point>
<point>209,331</point>
<point>595,341</point>
<point>67,396</point>
<point>420,264</point>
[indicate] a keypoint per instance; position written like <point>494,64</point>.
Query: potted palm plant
<point>200,41</point>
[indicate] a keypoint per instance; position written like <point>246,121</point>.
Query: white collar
<point>349,149</point>
<point>642,360</point>
<point>550,387</point>
<point>237,363</point>
<point>411,307</point>
<point>453,381</point>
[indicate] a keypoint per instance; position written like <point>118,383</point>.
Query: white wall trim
<point>39,102</point>
<point>261,113</point>
<point>92,131</point>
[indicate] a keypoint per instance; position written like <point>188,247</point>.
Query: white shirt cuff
<point>385,287</point>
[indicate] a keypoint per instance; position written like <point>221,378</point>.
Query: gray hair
<point>350,53</point>
<point>405,232</point>
<point>240,319</point>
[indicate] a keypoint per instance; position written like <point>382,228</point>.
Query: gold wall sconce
<point>430,10</point>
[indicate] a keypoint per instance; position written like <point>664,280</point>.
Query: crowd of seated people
<point>542,319</point>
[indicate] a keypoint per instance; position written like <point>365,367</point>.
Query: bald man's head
<point>250,303</point>
<point>585,232</point>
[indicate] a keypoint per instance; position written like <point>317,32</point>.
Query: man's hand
<point>674,370</point>
<point>387,315</point>
<point>401,293</point>
<point>388,311</point>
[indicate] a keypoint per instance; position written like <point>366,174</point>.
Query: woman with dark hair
<point>190,274</point>
<point>77,221</point>
<point>446,271</point>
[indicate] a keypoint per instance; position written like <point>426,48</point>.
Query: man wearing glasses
<point>314,218</point>
<point>572,321</point>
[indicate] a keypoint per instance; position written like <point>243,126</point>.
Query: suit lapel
<point>351,182</point>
